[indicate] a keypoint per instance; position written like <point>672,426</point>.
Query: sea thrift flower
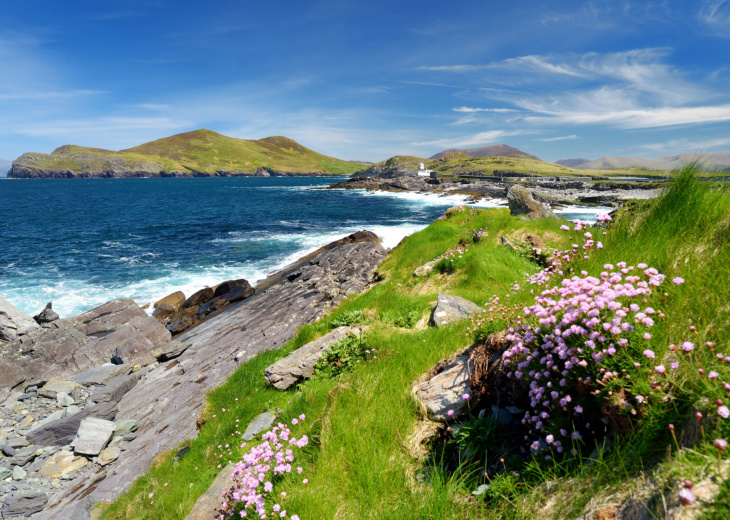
<point>450,413</point>
<point>723,411</point>
<point>686,497</point>
<point>688,346</point>
<point>659,369</point>
<point>720,444</point>
<point>649,354</point>
<point>465,397</point>
<point>678,280</point>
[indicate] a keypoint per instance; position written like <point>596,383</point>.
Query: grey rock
<point>71,410</point>
<point>13,322</point>
<point>101,375</point>
<point>299,365</point>
<point>450,308</point>
<point>8,451</point>
<point>64,400</point>
<point>46,316</point>
<point>58,414</point>
<point>18,442</point>
<point>170,350</point>
<point>62,431</point>
<point>425,268</point>
<point>19,473</point>
<point>5,472</point>
<point>503,416</point>
<point>93,436</point>
<point>57,386</point>
<point>24,456</point>
<point>260,423</point>
<point>522,202</point>
<point>124,426</point>
<point>109,455</point>
<point>443,391</point>
<point>115,390</point>
<point>23,505</point>
<point>211,499</point>
<point>129,437</point>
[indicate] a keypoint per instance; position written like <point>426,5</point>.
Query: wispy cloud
<point>563,138</point>
<point>689,145</point>
<point>715,12</point>
<point>482,138</point>
<point>103,125</point>
<point>470,110</point>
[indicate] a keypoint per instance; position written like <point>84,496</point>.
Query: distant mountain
<point>498,150</point>
<point>712,162</point>
<point>4,167</point>
<point>201,153</point>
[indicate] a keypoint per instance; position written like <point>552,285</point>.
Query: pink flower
<point>720,444</point>
<point>305,481</point>
<point>688,346</point>
<point>678,280</point>
<point>450,413</point>
<point>659,369</point>
<point>723,411</point>
<point>649,354</point>
<point>564,228</point>
<point>465,397</point>
<point>150,495</point>
<point>687,497</point>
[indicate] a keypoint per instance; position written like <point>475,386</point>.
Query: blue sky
<point>370,79</point>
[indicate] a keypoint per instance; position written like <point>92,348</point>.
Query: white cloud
<point>482,138</point>
<point>715,12</point>
<point>563,138</point>
<point>687,145</point>
<point>470,110</point>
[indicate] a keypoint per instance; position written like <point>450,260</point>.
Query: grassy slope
<point>203,151</point>
<point>359,465</point>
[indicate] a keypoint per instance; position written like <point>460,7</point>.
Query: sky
<point>370,79</point>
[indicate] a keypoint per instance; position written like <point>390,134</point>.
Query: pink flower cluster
<point>575,327</point>
<point>254,475</point>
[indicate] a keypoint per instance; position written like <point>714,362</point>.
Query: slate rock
<point>62,463</point>
<point>8,450</point>
<point>57,386</point>
<point>209,501</point>
<point>46,316</point>
<point>299,365</point>
<point>109,455</point>
<point>443,391</point>
<point>115,390</point>
<point>65,400</point>
<point>260,423</point>
<point>19,473</point>
<point>125,426</point>
<point>23,505</point>
<point>198,298</point>
<point>5,472</point>
<point>164,312</point>
<point>13,322</point>
<point>18,442</point>
<point>61,432</point>
<point>170,350</point>
<point>24,456</point>
<point>450,308</point>
<point>229,285</point>
<point>101,375</point>
<point>522,202</point>
<point>93,436</point>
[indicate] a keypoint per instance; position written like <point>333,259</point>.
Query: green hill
<point>198,153</point>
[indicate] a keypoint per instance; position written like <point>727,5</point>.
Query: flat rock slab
<point>299,365</point>
<point>14,322</point>
<point>23,505</point>
<point>57,386</point>
<point>170,350</point>
<point>205,506</point>
<point>62,463</point>
<point>115,390</point>
<point>450,308</point>
<point>260,423</point>
<point>62,431</point>
<point>93,436</point>
<point>443,391</point>
<point>109,455</point>
<point>424,269</point>
<point>102,375</point>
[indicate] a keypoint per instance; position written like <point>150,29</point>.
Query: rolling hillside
<point>497,150</point>
<point>198,153</point>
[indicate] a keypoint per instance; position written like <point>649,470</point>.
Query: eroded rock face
<point>450,308</point>
<point>443,391</point>
<point>521,202</point>
<point>167,399</point>
<point>13,322</point>
<point>299,365</point>
<point>71,346</point>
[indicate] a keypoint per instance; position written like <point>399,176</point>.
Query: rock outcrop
<point>521,202</point>
<point>13,322</point>
<point>71,346</point>
<point>449,309</point>
<point>167,398</point>
<point>46,316</point>
<point>442,389</point>
<point>299,365</point>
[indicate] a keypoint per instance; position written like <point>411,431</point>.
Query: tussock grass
<point>358,462</point>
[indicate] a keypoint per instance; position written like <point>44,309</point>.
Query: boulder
<point>209,501</point>
<point>46,316</point>
<point>425,268</point>
<point>198,298</point>
<point>174,300</point>
<point>62,463</point>
<point>299,365</point>
<point>125,426</point>
<point>227,286</point>
<point>24,456</point>
<point>164,312</point>
<point>109,455</point>
<point>13,322</point>
<point>57,386</point>
<point>102,375</point>
<point>170,350</point>
<point>440,392</point>
<point>450,308</point>
<point>93,436</point>
<point>23,505</point>
<point>521,202</point>
<point>260,423</point>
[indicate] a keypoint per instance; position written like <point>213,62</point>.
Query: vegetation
<point>201,152</point>
<point>360,461</point>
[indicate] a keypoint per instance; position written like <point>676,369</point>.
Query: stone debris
<point>109,455</point>
<point>299,365</point>
<point>450,308</point>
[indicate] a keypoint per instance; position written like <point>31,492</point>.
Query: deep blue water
<point>80,243</point>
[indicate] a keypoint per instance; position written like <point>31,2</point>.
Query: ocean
<point>81,242</point>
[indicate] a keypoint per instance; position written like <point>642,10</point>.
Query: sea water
<point>81,242</point>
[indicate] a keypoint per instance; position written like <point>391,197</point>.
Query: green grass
<point>359,464</point>
<point>201,151</point>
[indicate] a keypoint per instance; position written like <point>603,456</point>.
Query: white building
<point>422,171</point>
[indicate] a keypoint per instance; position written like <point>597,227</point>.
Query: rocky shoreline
<point>556,191</point>
<point>89,401</point>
